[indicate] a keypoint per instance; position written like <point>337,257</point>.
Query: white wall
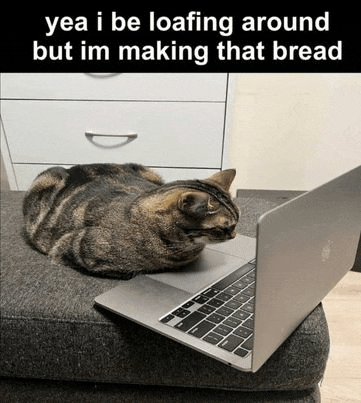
<point>294,131</point>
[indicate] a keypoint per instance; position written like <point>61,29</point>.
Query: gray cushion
<point>34,391</point>
<point>51,330</point>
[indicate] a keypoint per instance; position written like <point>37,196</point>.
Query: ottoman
<point>56,346</point>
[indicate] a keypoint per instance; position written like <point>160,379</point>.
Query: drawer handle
<point>129,136</point>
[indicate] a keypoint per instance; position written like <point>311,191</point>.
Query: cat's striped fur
<point>120,220</point>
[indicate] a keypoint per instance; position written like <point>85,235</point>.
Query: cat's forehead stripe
<point>206,187</point>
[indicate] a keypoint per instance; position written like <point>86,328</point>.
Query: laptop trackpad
<point>208,268</point>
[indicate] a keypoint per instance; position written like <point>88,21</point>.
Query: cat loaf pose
<point>120,220</point>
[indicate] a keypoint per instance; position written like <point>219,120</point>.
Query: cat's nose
<point>232,235</point>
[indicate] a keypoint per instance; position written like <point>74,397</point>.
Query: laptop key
<point>240,284</point>
<point>224,297</point>
<point>225,311</point>
<point>181,313</point>
<point>232,290</point>
<point>252,274</point>
<point>213,338</point>
<point>233,304</point>
<point>223,330</point>
<point>215,302</point>
<point>249,291</point>
<point>167,318</point>
<point>231,342</point>
<point>200,299</point>
<point>248,344</point>
<point>201,329</point>
<point>241,352</point>
<point>188,304</point>
<point>210,293</point>
<point>249,323</point>
<point>206,309</point>
<point>248,307</point>
<point>215,318</point>
<point>233,322</point>
<point>241,298</point>
<point>241,314</point>
<point>190,321</point>
<point>243,332</point>
<point>248,279</point>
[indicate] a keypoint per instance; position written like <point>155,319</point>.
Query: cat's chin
<point>204,240</point>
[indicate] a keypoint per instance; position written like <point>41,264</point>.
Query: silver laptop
<point>244,297</point>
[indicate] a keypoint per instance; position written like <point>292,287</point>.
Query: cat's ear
<point>223,179</point>
<point>193,203</point>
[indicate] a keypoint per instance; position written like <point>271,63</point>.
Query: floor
<point>342,382</point>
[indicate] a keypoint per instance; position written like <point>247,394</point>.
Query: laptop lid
<point>304,248</point>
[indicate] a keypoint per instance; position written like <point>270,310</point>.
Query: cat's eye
<point>212,205</point>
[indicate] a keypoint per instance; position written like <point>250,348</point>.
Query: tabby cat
<point>120,220</point>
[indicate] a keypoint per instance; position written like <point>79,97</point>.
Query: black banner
<point>194,39</point>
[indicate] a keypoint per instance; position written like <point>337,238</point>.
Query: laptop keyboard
<point>222,314</point>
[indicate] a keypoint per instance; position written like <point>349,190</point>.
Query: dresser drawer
<point>169,134</point>
<point>124,86</point>
<point>26,173</point>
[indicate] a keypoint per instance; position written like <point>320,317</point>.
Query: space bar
<point>231,278</point>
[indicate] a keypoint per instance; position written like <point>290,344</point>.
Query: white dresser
<point>174,123</point>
